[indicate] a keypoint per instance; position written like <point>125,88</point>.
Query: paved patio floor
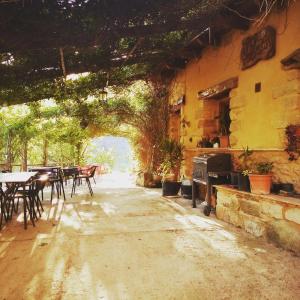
<point>129,243</point>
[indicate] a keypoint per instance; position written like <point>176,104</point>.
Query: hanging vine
<point>292,133</point>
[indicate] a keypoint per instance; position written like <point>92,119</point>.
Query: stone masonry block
<point>291,101</point>
<point>228,215</point>
<point>291,87</point>
<point>233,93</point>
<point>250,207</point>
<point>238,101</point>
<point>254,225</point>
<point>235,125</point>
<point>272,210</point>
<point>285,234</point>
<point>293,75</point>
<point>201,123</point>
<point>228,200</point>
<point>233,140</point>
<point>293,214</point>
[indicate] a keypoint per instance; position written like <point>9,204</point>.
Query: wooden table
<point>17,177</point>
<point>14,181</point>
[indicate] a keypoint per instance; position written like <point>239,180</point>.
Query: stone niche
<point>273,217</point>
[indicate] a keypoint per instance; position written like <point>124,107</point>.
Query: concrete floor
<point>129,243</point>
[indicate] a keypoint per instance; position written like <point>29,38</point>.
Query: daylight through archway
<point>117,160</point>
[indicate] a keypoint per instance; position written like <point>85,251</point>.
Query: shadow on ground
<point>129,243</point>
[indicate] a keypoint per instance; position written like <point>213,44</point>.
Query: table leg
<point>207,208</point>
<point>194,194</point>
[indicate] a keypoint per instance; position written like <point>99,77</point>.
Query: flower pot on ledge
<point>224,141</point>
<point>243,182</point>
<point>260,184</point>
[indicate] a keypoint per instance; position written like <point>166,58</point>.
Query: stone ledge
<point>293,214</point>
<point>272,210</point>
<point>228,215</point>
<point>290,201</point>
<point>273,217</point>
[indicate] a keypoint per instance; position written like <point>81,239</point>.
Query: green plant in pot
<point>261,178</point>
<point>173,155</point>
<point>224,121</point>
<point>205,143</point>
<point>156,176</point>
<point>243,170</point>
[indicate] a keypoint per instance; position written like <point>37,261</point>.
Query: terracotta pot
<point>224,141</point>
<point>170,177</point>
<point>157,178</point>
<point>260,184</point>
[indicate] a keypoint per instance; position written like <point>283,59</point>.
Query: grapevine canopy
<point>117,41</point>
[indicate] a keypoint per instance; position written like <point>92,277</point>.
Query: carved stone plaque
<point>259,46</point>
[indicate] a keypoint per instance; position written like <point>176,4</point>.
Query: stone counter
<point>276,218</point>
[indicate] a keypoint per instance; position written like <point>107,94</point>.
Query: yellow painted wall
<point>259,119</point>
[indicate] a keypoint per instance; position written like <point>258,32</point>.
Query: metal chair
<point>86,175</point>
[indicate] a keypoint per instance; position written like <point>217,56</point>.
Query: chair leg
<point>57,189</point>
<point>94,180</point>
<point>2,212</point>
<point>63,190</point>
<point>73,187</point>
<point>38,203</point>
<point>52,191</point>
<point>31,211</point>
<point>10,208</point>
<point>31,200</point>
<point>89,185</point>
<point>25,213</point>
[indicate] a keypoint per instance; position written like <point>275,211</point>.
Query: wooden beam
<point>218,89</point>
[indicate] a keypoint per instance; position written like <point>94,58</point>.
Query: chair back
<point>70,172</point>
<point>53,173</point>
<point>92,171</point>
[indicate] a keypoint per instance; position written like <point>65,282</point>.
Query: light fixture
<point>103,95</point>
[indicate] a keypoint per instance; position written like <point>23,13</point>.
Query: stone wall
<point>275,218</point>
<point>258,118</point>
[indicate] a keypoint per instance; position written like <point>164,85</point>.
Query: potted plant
<point>261,179</point>
<point>215,142</point>
<point>204,143</point>
<point>292,133</point>
<point>186,188</point>
<point>243,170</point>
<point>156,177</point>
<point>170,167</point>
<point>224,121</point>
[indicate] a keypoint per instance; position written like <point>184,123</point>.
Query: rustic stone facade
<point>275,218</point>
<point>258,117</point>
